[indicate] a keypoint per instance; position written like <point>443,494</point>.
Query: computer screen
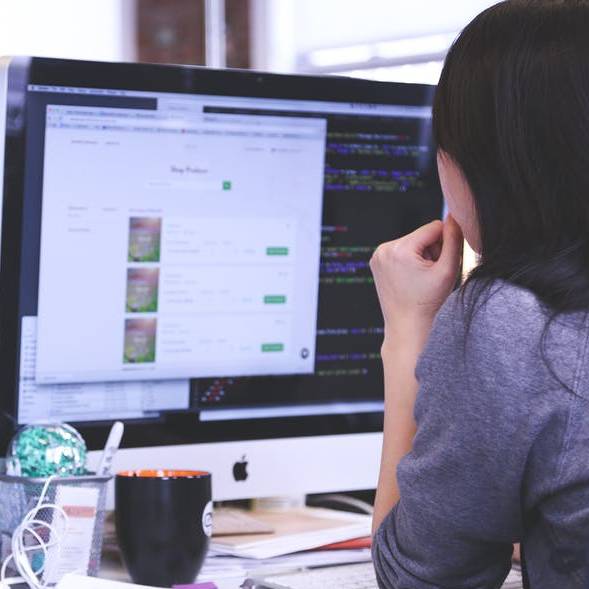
<point>196,260</point>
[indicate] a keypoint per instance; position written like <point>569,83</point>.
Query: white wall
<point>285,29</point>
<point>332,23</point>
<point>78,29</point>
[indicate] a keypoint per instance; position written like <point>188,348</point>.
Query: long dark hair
<point>512,110</point>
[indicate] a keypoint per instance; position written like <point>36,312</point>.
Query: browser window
<point>176,246</point>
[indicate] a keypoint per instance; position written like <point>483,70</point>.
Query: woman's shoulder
<point>508,328</point>
<point>491,301</point>
<point>504,309</point>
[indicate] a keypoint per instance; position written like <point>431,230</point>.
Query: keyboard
<point>355,576</point>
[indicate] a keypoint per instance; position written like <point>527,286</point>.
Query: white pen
<point>110,449</point>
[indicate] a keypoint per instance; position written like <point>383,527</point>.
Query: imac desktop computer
<point>186,250</point>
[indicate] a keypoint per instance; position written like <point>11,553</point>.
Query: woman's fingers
<point>433,252</point>
<point>425,237</point>
<point>452,244</point>
<point>414,274</point>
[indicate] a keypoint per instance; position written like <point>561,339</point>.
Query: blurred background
<point>396,40</point>
<point>388,40</point>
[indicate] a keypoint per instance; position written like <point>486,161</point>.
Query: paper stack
<point>295,530</point>
<point>220,567</point>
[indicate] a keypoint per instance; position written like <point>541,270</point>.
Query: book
<point>233,522</point>
<point>294,530</point>
<point>355,543</point>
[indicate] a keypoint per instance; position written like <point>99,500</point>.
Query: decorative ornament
<point>46,450</point>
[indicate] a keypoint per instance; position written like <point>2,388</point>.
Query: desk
<point>112,568</point>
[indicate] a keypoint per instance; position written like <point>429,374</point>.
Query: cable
<point>341,502</point>
<point>34,528</point>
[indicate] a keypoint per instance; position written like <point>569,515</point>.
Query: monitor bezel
<point>23,71</point>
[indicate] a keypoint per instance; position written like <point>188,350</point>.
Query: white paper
<point>220,567</point>
<point>72,553</point>
<point>81,582</point>
<point>353,526</point>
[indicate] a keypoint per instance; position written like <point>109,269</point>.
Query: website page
<point>176,246</point>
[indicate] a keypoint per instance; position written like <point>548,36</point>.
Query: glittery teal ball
<point>46,450</point>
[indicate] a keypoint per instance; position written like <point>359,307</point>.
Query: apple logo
<point>240,470</point>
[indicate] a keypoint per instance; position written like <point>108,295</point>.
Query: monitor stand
<point>279,503</point>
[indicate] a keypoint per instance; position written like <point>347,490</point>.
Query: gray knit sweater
<point>501,453</point>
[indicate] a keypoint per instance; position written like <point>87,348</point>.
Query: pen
<point>110,449</point>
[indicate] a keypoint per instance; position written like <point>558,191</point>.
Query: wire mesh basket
<point>83,498</point>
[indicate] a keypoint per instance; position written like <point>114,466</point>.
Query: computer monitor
<point>187,250</point>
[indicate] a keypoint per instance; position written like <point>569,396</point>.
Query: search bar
<point>192,185</point>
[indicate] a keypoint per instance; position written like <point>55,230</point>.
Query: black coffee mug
<point>164,522</point>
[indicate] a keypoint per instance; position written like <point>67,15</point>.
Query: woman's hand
<point>413,277</point>
<point>415,274</point>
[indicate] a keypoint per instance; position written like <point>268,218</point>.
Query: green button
<point>277,251</point>
<point>226,185</point>
<point>275,299</point>
<point>272,347</point>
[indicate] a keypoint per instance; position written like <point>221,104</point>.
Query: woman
<point>486,435</point>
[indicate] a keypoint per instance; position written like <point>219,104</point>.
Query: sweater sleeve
<point>460,486</point>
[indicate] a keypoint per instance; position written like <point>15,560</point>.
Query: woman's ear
<point>459,198</point>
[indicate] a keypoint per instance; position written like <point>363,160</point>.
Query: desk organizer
<point>18,495</point>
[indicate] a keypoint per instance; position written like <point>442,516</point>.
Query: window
<point>93,29</point>
<point>388,40</point>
